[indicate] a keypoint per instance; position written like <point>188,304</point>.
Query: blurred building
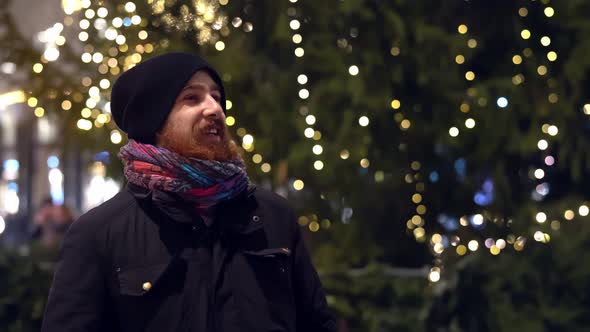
<point>34,163</point>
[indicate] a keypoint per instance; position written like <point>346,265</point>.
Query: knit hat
<point>143,96</point>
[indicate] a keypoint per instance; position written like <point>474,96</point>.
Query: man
<point>190,244</point>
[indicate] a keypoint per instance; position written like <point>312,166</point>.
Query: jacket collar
<point>235,215</point>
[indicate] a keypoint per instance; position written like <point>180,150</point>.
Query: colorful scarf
<point>203,182</point>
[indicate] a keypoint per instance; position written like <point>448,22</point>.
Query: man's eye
<point>217,97</point>
<point>191,97</point>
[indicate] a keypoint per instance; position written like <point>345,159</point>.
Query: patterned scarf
<point>203,182</point>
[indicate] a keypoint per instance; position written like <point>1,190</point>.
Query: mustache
<point>213,124</point>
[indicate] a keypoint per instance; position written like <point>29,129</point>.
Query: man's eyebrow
<point>201,86</point>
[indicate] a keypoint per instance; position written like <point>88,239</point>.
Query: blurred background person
<point>53,222</point>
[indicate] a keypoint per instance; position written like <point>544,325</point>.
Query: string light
<point>317,149</point>
<point>462,29</point>
<point>298,185</point>
<point>583,210</point>
<point>525,34</point>
<point>363,121</point>
<point>542,144</point>
<point>549,12</point>
<point>541,217</point>
<point>517,59</point>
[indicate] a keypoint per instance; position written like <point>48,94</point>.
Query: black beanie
<point>143,96</point>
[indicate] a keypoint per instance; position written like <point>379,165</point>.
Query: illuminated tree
<point>405,133</point>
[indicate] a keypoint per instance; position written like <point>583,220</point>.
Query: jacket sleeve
<point>312,310</point>
<point>76,297</point>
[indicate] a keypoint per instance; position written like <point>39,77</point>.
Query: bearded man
<point>190,244</point>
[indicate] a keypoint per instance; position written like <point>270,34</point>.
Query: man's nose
<point>213,108</point>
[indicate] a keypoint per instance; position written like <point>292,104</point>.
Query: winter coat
<point>142,262</point>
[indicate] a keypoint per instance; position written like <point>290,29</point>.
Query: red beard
<point>224,150</point>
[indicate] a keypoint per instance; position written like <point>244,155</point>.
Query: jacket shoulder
<point>281,221</point>
<point>273,202</point>
<point>103,214</point>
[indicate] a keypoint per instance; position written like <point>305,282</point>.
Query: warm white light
<point>298,184</point>
<point>294,24</point>
<point>310,120</point>
<point>454,131</point>
<point>583,210</point>
<point>117,22</point>
<point>541,217</point>
<point>248,139</point>
<point>309,132</point>
<point>104,83</point>
<point>84,124</point>
<point>130,7</point>
<point>102,12</point>
<point>478,219</point>
<point>120,40</point>
<point>303,94</point>
<point>434,276</point>
<point>135,19</point>
<point>353,70</point>
<point>542,144</point>
<point>302,79</point>
<point>89,13</point>
<point>364,121</point>
<point>110,34</point>
<point>473,245</point>
<point>71,6</point>
<point>97,57</point>
<point>100,24</point>
<point>116,137</point>
<point>93,92</point>
<point>84,24</point>
<point>83,36</point>
<point>539,173</point>
<point>317,149</point>
<point>51,54</point>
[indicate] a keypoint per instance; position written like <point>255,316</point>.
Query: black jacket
<point>142,262</point>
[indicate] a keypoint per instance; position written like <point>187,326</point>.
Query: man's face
<point>196,125</point>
